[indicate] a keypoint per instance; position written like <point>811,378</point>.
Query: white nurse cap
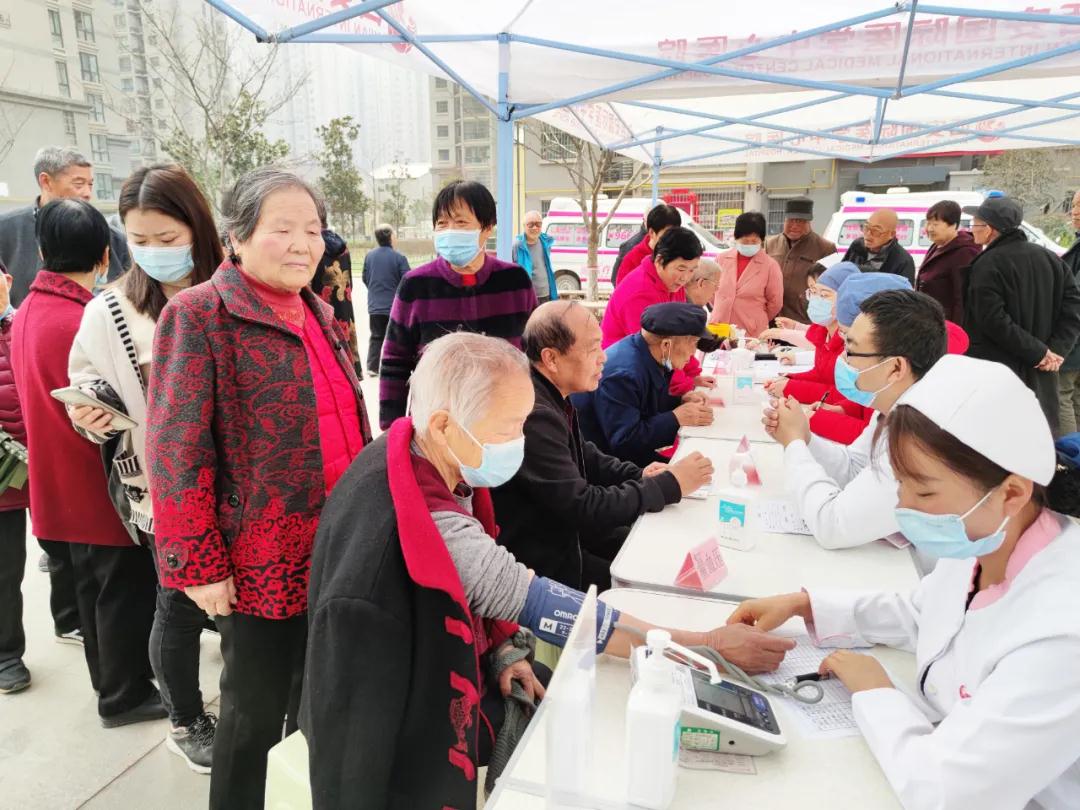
<point>988,408</point>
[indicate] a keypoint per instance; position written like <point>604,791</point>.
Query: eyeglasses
<point>811,295</point>
<point>532,224</point>
<point>863,354</point>
<point>873,230</point>
<point>975,225</point>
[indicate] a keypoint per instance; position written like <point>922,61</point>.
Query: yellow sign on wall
<point>725,218</point>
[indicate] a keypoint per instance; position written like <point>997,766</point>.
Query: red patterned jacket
<point>235,466</point>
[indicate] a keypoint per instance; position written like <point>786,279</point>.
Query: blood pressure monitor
<point>722,716</point>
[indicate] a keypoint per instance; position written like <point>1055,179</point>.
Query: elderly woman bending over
<point>410,592</point>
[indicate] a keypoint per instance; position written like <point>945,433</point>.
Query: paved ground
<point>54,755</point>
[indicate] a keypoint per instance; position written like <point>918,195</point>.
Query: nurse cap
<point>988,408</point>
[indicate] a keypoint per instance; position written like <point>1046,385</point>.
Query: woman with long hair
<point>174,245</point>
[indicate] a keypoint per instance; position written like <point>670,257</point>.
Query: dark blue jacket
<point>384,268</point>
<point>630,415</point>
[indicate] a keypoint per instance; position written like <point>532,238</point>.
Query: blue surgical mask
<point>747,250</point>
<point>845,376</point>
<point>164,264</point>
<point>820,311</point>
<point>457,247</point>
<point>945,535</point>
<point>498,462</point>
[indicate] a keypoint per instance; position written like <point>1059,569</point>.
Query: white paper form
<point>829,719</point>
<point>780,517</point>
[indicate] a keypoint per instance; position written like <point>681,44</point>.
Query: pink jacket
<point>754,299</point>
<point>637,292</point>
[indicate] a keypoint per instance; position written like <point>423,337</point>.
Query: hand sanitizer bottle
<point>653,728</point>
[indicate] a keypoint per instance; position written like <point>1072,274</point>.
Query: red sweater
<point>638,253</point>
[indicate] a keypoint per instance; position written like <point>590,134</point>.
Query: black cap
<point>799,208</point>
<point>1000,213</point>
<point>675,320</point>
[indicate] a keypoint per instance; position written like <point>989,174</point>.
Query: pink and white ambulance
<point>565,224</point>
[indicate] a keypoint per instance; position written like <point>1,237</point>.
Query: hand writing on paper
<point>792,424</point>
<point>857,671</point>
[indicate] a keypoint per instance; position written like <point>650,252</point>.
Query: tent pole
<point>656,167</point>
<point>504,156</point>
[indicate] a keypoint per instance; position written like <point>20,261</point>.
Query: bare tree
<point>591,169</point>
<point>217,87</point>
<point>10,124</point>
<point>1039,179</point>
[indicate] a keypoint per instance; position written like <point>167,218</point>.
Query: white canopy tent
<point>684,82</point>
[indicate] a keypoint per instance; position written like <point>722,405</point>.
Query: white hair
<point>705,271</point>
<point>52,160</point>
<point>459,373</point>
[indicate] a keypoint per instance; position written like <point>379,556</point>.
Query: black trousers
<point>597,555</point>
<point>174,651</point>
<point>115,587</point>
<point>62,600</point>
<point>260,695</point>
<point>12,566</point>
<point>378,324</point>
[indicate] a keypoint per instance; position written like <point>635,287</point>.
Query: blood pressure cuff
<point>551,609</point>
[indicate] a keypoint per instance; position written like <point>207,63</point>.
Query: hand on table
<point>655,468</point>
<point>770,417</point>
<point>695,396</point>
<point>791,422</point>
<point>522,672</point>
<point>772,611</point>
<point>775,387</point>
<point>857,671</point>
<point>92,420</point>
<point>693,414</point>
<point>749,648</point>
<point>786,359</point>
<point>215,599</point>
<point>703,381</point>
<point>692,472</point>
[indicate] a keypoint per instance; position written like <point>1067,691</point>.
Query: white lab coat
<point>846,494</point>
<point>1000,726</point>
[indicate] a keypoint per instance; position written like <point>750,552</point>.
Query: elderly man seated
<point>632,415</point>
<point>410,591</point>
<point>570,506</point>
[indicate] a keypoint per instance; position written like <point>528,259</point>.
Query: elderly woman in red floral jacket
<point>254,413</point>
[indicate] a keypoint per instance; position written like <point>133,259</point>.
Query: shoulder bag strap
<point>113,303</point>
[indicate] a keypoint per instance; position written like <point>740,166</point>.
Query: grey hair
<point>241,206</point>
<point>55,159</point>
<point>459,373</point>
<point>706,270</point>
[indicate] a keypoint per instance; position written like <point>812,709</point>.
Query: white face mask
<point>747,250</point>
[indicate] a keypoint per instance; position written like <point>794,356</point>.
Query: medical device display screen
<point>735,703</point>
